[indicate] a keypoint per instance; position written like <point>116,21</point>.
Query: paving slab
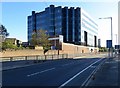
<point>107,75</point>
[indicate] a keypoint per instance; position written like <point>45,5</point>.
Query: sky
<point>14,15</point>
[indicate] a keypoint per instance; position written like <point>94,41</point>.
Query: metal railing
<point>34,57</point>
<point>44,57</point>
<point>21,61</point>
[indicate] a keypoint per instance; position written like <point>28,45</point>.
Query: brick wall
<point>76,49</point>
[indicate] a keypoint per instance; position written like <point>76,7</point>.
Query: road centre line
<point>36,73</point>
<point>77,74</point>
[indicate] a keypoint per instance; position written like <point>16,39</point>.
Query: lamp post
<point>111,33</point>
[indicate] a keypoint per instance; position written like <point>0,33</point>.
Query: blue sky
<point>14,16</point>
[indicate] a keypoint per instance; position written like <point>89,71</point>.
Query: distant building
<point>76,26</point>
<point>99,43</point>
<point>14,41</point>
<point>25,44</point>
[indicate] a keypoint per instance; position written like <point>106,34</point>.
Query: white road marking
<point>94,71</point>
<point>36,73</point>
<point>78,74</point>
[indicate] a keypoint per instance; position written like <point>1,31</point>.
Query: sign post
<point>109,46</point>
<point>117,47</point>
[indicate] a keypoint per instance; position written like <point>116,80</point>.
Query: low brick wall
<point>76,49</point>
<point>52,52</point>
<point>69,49</point>
<point>28,52</point>
<point>9,53</point>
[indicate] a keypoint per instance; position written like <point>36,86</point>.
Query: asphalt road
<point>59,73</point>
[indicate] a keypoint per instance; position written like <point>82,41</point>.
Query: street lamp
<point>111,32</point>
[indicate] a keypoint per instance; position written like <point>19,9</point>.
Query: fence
<point>46,57</point>
<point>21,61</point>
<point>34,57</point>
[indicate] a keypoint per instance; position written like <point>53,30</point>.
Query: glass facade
<point>71,28</point>
<point>58,21</point>
<point>77,26</point>
<point>29,27</point>
<point>65,23</point>
<point>69,22</point>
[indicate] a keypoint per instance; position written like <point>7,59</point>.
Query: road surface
<point>58,73</point>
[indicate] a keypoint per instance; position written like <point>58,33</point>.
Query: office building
<point>99,43</point>
<point>76,26</point>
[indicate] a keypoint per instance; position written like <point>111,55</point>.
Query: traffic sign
<point>109,43</point>
<point>117,46</point>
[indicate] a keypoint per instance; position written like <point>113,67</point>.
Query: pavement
<point>107,75</point>
<point>56,73</point>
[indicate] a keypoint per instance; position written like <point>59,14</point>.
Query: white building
<point>89,29</point>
